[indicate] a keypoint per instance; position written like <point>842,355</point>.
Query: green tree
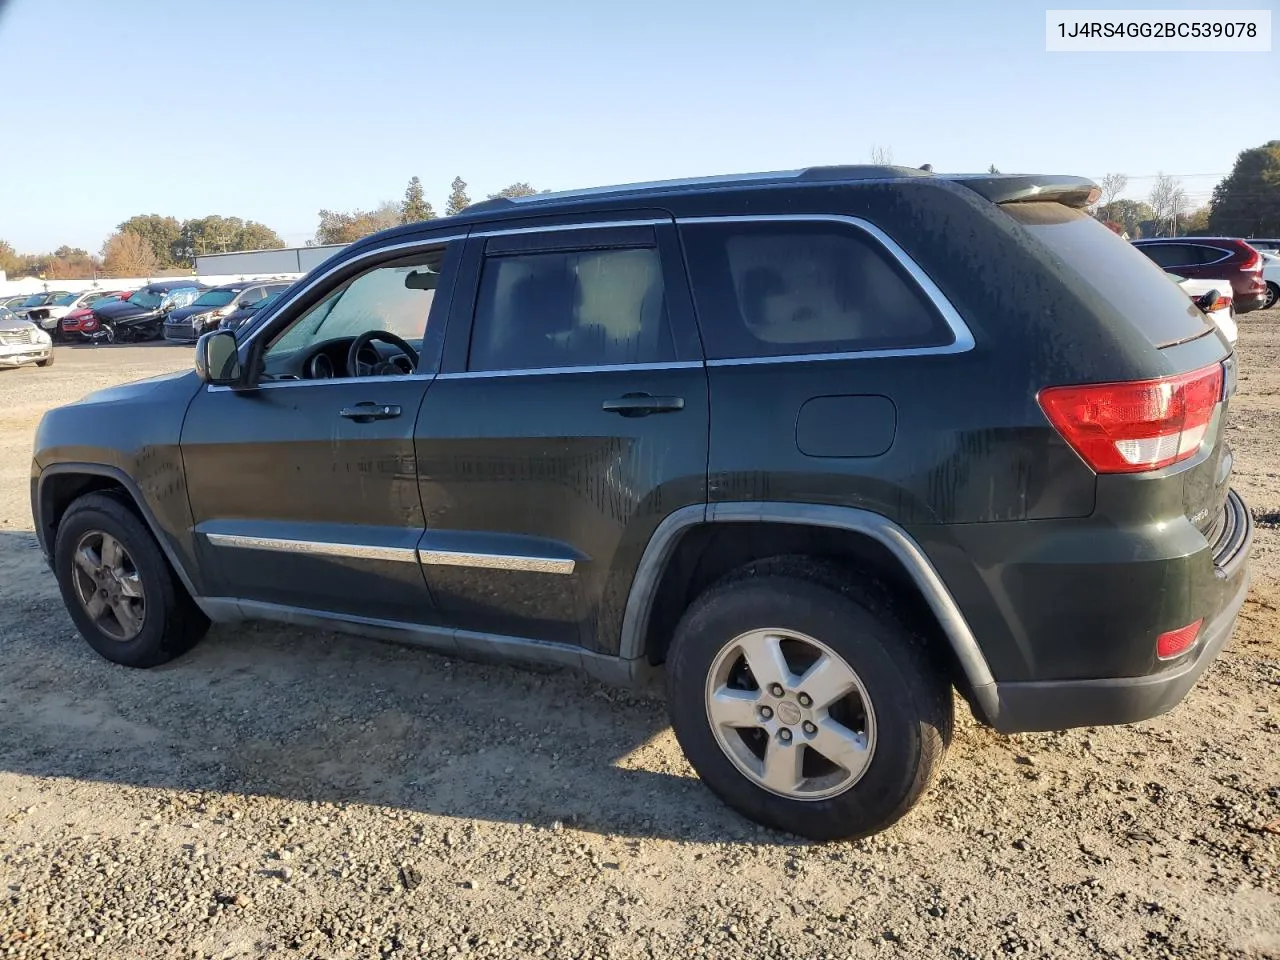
<point>458,199</point>
<point>992,169</point>
<point>1247,201</point>
<point>520,189</point>
<point>346,227</point>
<point>161,234</point>
<point>218,234</point>
<point>1130,214</point>
<point>415,206</point>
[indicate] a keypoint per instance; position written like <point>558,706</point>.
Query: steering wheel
<point>359,368</point>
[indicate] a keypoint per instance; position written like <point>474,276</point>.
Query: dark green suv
<point>820,446</point>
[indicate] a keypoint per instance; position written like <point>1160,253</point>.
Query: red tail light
<point>1175,642</point>
<point>1252,261</point>
<point>1136,426</point>
<point>1220,304</point>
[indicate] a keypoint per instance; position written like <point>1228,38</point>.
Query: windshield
<point>215,298</point>
<point>1117,270</point>
<point>265,301</point>
<point>65,299</point>
<point>33,301</point>
<point>147,298</point>
<point>7,314</point>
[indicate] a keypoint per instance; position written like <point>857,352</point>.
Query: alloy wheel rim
<point>109,586</point>
<point>790,714</point>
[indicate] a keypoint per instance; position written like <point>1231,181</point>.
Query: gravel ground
<point>279,792</point>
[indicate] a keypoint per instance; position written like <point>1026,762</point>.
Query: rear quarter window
<point>791,288</point>
<point>1114,268</point>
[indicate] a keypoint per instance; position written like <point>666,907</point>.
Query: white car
<point>1222,311</point>
<point>1271,274</point>
<point>22,342</point>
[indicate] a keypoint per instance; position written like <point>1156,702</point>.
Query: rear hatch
<point>1187,450</point>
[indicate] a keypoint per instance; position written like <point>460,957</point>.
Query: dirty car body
<point>618,421</point>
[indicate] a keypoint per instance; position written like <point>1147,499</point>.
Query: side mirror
<point>217,359</point>
<point>1206,300</point>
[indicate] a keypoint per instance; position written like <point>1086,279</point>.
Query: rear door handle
<point>368,412</point>
<point>642,404</point>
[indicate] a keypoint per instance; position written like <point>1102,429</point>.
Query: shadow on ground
<point>283,712</point>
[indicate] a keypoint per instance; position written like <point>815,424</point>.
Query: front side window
<point>571,308</point>
<point>789,288</point>
<point>395,297</point>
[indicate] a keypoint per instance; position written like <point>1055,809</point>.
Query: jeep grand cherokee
<point>820,446</point>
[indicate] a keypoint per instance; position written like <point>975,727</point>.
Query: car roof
<point>173,284</point>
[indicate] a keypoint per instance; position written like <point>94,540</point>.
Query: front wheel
<point>118,587</point>
<point>805,704</point>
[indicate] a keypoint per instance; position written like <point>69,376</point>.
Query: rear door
<point>569,419</point>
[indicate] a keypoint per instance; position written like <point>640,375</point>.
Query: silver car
<point>22,342</point>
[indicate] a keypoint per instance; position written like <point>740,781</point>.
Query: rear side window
<point>571,308</point>
<point>1116,269</point>
<point>770,289</point>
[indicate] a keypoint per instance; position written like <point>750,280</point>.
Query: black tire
<point>909,693</point>
<point>45,363</point>
<point>171,625</point>
<point>1273,294</point>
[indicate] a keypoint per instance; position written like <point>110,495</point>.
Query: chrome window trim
<point>496,561</point>
<point>356,551</point>
<point>371,254</point>
<point>962,343</point>
<point>565,227</point>
<point>547,371</point>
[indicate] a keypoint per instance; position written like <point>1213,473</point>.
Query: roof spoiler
<point>1076,192</point>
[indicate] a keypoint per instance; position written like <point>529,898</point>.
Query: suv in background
<point>1213,258</point>
<point>785,438</point>
<point>207,311</point>
<point>1265,244</point>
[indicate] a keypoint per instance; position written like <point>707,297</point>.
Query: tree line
<point>349,226</point>
<point>142,246</point>
<point>1245,203</point>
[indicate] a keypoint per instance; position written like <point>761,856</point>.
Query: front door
<point>304,489</point>
<point>569,419</point>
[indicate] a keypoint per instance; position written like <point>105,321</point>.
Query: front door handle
<point>642,404</point>
<point>368,412</point>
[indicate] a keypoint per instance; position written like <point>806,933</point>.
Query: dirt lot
<point>285,793</point>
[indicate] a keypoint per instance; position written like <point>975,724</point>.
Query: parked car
<point>141,317</point>
<point>238,318</point>
<point>81,322</point>
<point>1271,277</point>
<point>1212,258</point>
<point>206,312</point>
<point>1213,298</point>
<point>48,315</point>
<point>37,300</point>
<point>1264,244</point>
<point>12,303</point>
<point>786,438</point>
<point>22,342</point>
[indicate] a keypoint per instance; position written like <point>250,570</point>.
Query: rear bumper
<point>1248,302</point>
<point>1024,706</point>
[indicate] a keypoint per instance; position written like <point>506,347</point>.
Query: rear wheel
<point>805,704</point>
<point>119,588</point>
<point>1273,294</point>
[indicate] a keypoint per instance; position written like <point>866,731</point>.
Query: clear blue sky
<point>272,110</point>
